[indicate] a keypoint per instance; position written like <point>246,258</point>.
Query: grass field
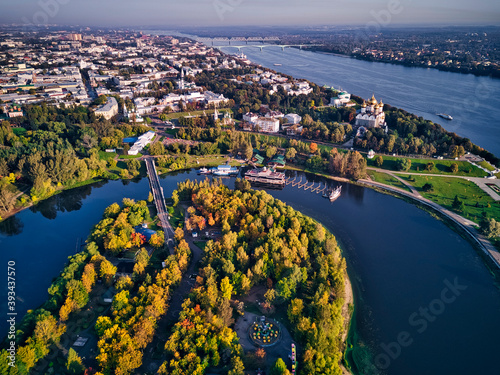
<point>19,131</point>
<point>486,165</point>
<point>103,155</point>
<point>440,166</point>
<point>131,156</point>
<point>476,201</point>
<point>209,112</point>
<point>176,216</point>
<point>384,178</point>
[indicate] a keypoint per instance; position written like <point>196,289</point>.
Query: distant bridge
<point>262,46</point>
<point>239,39</point>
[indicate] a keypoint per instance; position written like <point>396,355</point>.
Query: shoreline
<point>348,314</point>
<point>407,65</point>
<point>478,241</point>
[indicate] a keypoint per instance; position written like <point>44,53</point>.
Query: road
<point>159,200</point>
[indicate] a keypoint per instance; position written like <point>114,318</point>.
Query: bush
<point>427,187</point>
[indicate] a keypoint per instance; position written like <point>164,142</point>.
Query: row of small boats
<point>266,176</point>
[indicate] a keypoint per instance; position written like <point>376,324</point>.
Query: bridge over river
<point>159,200</point>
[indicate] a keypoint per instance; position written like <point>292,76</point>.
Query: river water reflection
<point>399,258</point>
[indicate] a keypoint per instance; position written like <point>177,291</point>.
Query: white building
<point>268,124</point>
<point>293,118</point>
<point>109,109</point>
<point>141,142</point>
<point>371,115</point>
<point>250,117</point>
<point>341,99</point>
<point>275,114</point>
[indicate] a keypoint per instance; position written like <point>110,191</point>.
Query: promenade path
<point>481,182</point>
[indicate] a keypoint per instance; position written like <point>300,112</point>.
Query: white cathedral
<point>372,114</point>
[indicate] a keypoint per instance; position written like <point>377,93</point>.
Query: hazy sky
<point>249,12</point>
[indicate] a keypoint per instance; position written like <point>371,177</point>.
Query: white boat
<point>204,171</point>
<point>333,194</point>
<point>224,170</point>
<point>445,116</point>
<point>277,64</point>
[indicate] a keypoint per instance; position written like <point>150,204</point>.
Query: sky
<point>250,12</point>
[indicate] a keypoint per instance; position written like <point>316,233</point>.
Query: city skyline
<point>243,12</point>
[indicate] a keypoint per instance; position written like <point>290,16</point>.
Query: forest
<point>264,242</point>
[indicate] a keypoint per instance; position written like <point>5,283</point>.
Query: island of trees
<point>262,243</point>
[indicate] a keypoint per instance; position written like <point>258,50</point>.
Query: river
<point>400,260</point>
<point>474,102</point>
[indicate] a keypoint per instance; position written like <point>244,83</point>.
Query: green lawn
<point>386,179</point>
<point>131,156</point>
<point>440,166</point>
<point>103,155</point>
<point>176,216</point>
<point>19,131</point>
<point>476,201</point>
<point>209,112</point>
<point>486,165</point>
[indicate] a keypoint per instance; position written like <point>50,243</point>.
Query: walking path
<point>481,182</point>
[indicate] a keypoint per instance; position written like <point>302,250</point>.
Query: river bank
<point>477,73</point>
<point>463,225</point>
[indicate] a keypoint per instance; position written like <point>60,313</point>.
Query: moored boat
<point>333,194</point>
<point>204,171</point>
<point>266,176</point>
<point>224,170</point>
<point>445,116</point>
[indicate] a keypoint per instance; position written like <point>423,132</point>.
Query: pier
<point>314,189</point>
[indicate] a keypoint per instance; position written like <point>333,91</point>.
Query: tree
<point>279,368</point>
<point>74,362</point>
<point>430,166</point>
<point>248,152</point>
<point>271,151</point>
<point>404,164</point>
<point>454,167</point>
<point>427,187</point>
<point>379,161</point>
<point>157,239</point>
<point>490,228</point>
<point>241,184</point>
<point>457,204</point>
<point>290,153</point>
<point>313,147</point>
<point>226,288</point>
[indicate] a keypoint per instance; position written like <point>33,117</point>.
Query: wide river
<point>474,102</point>
<point>415,280</point>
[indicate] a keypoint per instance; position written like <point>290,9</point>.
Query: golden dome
<point>364,104</point>
<point>373,101</point>
<point>380,105</point>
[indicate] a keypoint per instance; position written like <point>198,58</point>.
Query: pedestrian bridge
<point>159,200</point>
